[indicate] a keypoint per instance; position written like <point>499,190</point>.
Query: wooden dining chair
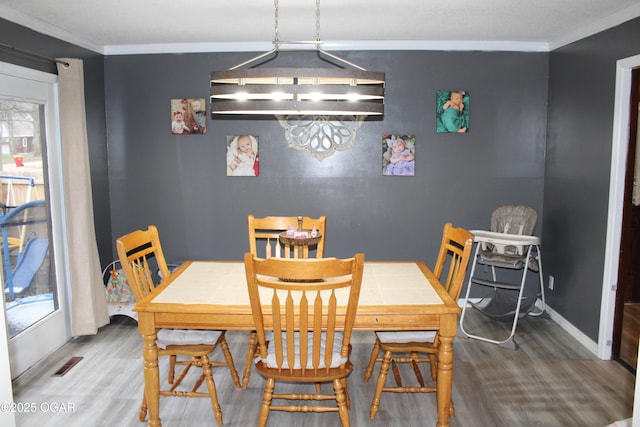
<point>415,347</point>
<point>140,254</point>
<point>264,242</point>
<point>304,312</point>
<point>264,236</point>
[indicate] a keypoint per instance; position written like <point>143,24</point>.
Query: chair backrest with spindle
<point>453,258</point>
<point>139,252</point>
<point>304,297</point>
<point>264,236</point>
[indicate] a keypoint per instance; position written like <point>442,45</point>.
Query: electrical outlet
<point>551,282</point>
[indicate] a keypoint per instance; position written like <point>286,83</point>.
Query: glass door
<point>32,266</point>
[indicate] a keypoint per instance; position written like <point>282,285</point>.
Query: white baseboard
<point>591,345</point>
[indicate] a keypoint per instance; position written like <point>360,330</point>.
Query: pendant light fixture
<point>336,91</point>
<point>320,109</point>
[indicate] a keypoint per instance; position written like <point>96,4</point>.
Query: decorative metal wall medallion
<point>321,136</point>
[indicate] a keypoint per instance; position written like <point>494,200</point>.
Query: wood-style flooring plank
<point>550,380</point>
<point>630,333</point>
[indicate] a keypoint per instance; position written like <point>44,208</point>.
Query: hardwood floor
<point>550,380</point>
<point>630,333</point>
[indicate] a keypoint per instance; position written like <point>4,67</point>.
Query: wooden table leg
<point>445,367</point>
<point>146,326</point>
<point>251,351</point>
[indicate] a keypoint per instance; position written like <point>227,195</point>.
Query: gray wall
<point>577,170</point>
<point>179,183</point>
<point>23,38</point>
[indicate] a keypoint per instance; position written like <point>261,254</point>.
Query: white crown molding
<point>46,28</point>
<point>330,46</point>
<point>439,45</point>
<point>610,21</point>
<point>138,49</point>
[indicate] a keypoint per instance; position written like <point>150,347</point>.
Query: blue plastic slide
<point>18,279</point>
<point>29,263</point>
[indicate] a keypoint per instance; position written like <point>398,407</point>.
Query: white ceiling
<point>147,26</point>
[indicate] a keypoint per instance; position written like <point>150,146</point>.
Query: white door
<point>33,266</point>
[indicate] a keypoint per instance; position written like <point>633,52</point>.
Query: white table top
<point>224,283</point>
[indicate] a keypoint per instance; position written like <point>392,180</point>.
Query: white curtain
<point>88,301</point>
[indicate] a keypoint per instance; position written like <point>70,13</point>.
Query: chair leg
<point>416,370</point>
<point>372,360</point>
<point>382,378</point>
<point>346,392</point>
<point>175,383</point>
<point>229,358</point>
<point>198,383</point>
<point>211,386</point>
<point>251,352</point>
<point>266,402</point>
<point>142,414</point>
<point>434,366</point>
<point>343,408</point>
<point>172,368</point>
<point>396,373</point>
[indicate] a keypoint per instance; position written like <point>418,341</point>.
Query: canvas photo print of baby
<point>399,155</point>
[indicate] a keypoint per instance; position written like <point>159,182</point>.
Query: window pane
<point>26,267</point>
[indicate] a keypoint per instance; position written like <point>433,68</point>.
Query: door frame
<point>620,146</point>
<point>51,332</point>
<point>626,290</point>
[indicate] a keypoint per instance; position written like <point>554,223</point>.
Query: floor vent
<point>67,366</point>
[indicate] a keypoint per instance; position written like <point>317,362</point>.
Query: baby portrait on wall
<point>242,156</point>
<point>452,111</point>
<point>188,116</point>
<point>398,155</point>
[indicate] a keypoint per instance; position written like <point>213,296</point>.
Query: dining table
<point>394,296</point>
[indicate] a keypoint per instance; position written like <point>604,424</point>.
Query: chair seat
<point>336,359</point>
<point>168,337</point>
<point>501,259</point>
<point>401,337</point>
